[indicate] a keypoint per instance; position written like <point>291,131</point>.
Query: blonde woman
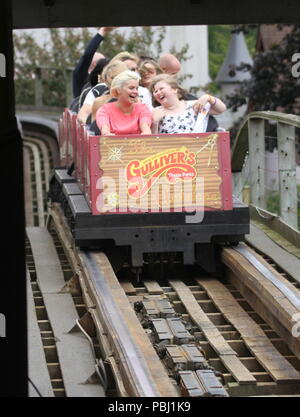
<point>131,61</point>
<point>126,115</point>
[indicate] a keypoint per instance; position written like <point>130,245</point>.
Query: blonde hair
<point>123,56</point>
<point>111,70</point>
<point>169,80</point>
<point>121,79</point>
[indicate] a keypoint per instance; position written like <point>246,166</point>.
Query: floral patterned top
<point>181,123</point>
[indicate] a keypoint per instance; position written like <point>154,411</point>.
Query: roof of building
<point>237,53</point>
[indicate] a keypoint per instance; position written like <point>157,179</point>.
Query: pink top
<point>120,123</point>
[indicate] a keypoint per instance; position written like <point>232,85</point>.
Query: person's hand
<point>145,129</point>
<point>105,30</point>
<point>201,102</point>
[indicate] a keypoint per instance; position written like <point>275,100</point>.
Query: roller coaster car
<point>149,194</point>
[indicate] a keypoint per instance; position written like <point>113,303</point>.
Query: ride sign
<point>184,172</point>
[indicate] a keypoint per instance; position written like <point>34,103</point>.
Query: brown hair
<point>142,68</point>
<point>169,80</point>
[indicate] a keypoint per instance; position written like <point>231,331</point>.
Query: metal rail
<point>268,291</point>
<point>124,346</point>
<point>38,162</point>
<point>133,358</point>
<point>293,297</point>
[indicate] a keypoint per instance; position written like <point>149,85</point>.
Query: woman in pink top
<point>125,116</point>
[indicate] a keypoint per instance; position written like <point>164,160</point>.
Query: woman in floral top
<point>175,115</point>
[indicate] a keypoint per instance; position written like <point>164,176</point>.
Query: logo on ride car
<point>174,164</point>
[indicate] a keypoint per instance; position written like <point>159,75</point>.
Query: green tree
<point>141,41</point>
<point>218,42</point>
<point>272,85</point>
<point>62,50</point>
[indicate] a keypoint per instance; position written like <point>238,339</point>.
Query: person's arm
<point>86,108</point>
<point>105,130</point>
<point>99,101</point>
<point>156,116</point>
<point>145,129</point>
<point>84,113</point>
<point>80,72</point>
<point>102,120</point>
<point>216,105</point>
<point>145,120</point>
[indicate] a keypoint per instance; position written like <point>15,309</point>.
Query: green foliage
<point>62,50</point>
<point>273,202</point>
<point>141,41</point>
<point>218,41</point>
<point>272,85</point>
<point>251,38</point>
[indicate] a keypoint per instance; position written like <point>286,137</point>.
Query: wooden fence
<point>248,154</point>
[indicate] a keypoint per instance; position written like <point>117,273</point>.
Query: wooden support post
<point>257,161</point>
<point>287,174</point>
<point>246,194</point>
<point>237,184</point>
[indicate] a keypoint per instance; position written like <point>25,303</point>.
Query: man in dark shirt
<point>88,60</point>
